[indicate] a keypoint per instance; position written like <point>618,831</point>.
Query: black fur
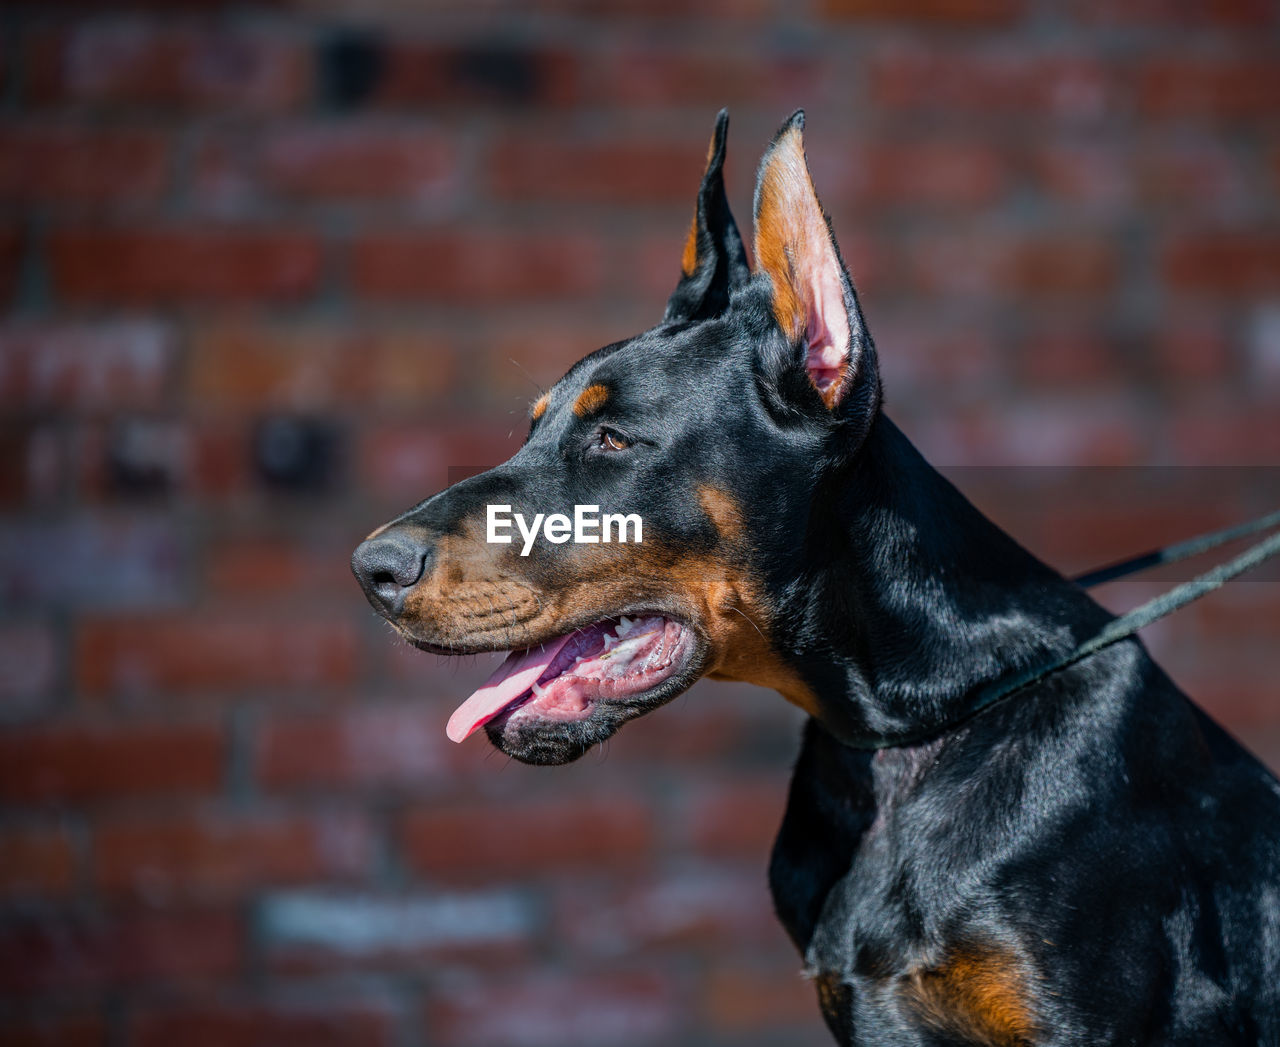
<point>1099,833</point>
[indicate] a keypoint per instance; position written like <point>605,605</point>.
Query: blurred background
<point>269,272</point>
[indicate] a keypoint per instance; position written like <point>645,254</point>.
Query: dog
<point>1093,861</point>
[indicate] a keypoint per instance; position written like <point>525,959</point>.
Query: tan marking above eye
<point>539,407</point>
<point>590,400</point>
<point>722,510</point>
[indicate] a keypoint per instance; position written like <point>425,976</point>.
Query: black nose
<point>387,567</point>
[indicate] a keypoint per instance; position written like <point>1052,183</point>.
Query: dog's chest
<point>882,970</point>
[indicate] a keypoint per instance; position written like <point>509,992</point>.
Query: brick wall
<point>268,272</point>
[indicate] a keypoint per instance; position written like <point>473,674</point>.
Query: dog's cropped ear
<point>813,300</point>
<point>714,260</point>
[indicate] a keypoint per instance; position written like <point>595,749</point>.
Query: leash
<point>1177,551</point>
<point>1127,624</point>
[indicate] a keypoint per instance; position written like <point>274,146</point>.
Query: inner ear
<point>813,300</point>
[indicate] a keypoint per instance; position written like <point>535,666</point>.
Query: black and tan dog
<point>1092,862</point>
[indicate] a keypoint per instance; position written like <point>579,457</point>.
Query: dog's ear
<point>813,300</point>
<point>714,260</point>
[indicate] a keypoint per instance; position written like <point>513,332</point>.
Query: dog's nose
<point>387,568</point>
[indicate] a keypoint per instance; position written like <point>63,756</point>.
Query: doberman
<point>1092,862</point>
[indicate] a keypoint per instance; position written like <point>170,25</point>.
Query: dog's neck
<point>914,599</point>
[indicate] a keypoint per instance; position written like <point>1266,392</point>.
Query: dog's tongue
<point>511,679</point>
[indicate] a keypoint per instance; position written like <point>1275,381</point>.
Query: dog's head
<point>700,443</point>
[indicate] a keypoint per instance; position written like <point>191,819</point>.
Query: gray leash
<point>1177,551</point>
<point>1127,624</point>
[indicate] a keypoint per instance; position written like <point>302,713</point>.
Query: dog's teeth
<point>537,689</point>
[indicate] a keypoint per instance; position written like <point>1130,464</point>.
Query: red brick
<point>1098,177</point>
<point>412,164</point>
<point>285,568</point>
<point>1105,529</point>
<point>738,819</point>
<point>219,855</point>
<point>1069,355</point>
<point>1240,614</point>
<point>556,1010</point>
<point>223,173</point>
<point>28,667</point>
<point>956,12</point>
<point>1193,349</point>
<point>113,365</point>
<point>1238,88</point>
<point>993,84</point>
<point>140,62</point>
<point>219,459</point>
<point>205,457</point>
<point>315,929</point>
<point>925,174</point>
<point>624,171</point>
<point>1076,267</point>
<point>12,243</point>
<point>670,75</point>
<point>1203,176</point>
<point>476,266</point>
<point>87,763</point>
<point>91,561</point>
<point>1044,431</point>
<point>1239,695</point>
<point>155,265</point>
<point>405,462</point>
<point>210,653</point>
<point>715,909</point>
<point>1263,347</point>
<point>420,75</point>
<point>1227,264</point>
<point>518,840</point>
<point>1149,14</point>
<point>1073,267</point>
<point>55,1030</point>
<point>727,12</point>
<point>314,367</point>
<point>1224,433</point>
<point>284,1023</point>
<point>41,164</point>
<point>307,931</point>
<point>742,1001</point>
<point>120,948</point>
<point>35,861</point>
<point>135,456</point>
<point>373,747</point>
<point>33,464</point>
<point>935,357</point>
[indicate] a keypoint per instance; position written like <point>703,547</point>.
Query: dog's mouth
<point>620,662</point>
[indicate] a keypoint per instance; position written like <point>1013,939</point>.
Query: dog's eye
<point>611,441</point>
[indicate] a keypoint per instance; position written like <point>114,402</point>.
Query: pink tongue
<point>511,679</point>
